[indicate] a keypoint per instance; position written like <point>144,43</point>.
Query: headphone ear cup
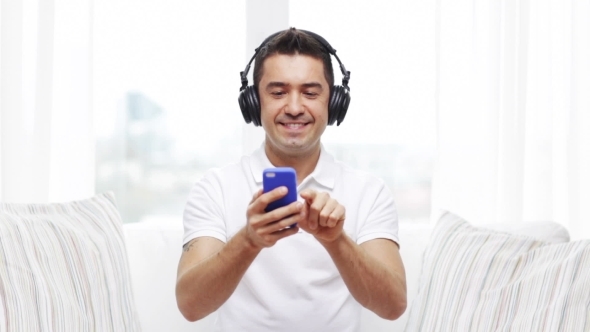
<point>338,106</point>
<point>243,107</point>
<point>254,106</point>
<point>249,105</point>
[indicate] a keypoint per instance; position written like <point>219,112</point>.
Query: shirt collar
<point>324,172</point>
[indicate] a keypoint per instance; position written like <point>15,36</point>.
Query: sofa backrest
<point>154,250</point>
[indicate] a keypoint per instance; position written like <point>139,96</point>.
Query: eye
<point>277,93</point>
<point>311,94</point>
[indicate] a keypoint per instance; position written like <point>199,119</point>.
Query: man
<point>246,263</point>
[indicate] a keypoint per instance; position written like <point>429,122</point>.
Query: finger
<point>271,196</point>
<point>308,195</point>
<point>336,216</point>
<point>256,210</point>
<point>315,208</point>
<point>303,220</point>
<point>326,212</point>
<point>283,223</point>
<point>256,195</point>
<point>270,239</point>
<point>282,213</point>
<point>283,233</point>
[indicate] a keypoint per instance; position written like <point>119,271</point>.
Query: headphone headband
<point>318,38</point>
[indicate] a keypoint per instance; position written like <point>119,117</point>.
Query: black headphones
<point>339,95</point>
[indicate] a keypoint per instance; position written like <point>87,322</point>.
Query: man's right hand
<point>263,228</point>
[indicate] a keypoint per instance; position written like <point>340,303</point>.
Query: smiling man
<point>261,275</point>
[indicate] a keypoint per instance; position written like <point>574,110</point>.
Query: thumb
<point>304,213</point>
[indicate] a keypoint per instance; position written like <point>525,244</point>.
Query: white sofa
<point>72,266</point>
<point>154,249</point>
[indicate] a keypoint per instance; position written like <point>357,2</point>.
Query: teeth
<point>294,125</point>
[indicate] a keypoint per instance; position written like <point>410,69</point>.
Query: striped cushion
<point>476,279</point>
<point>63,267</point>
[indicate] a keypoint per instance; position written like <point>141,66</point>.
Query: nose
<point>294,105</point>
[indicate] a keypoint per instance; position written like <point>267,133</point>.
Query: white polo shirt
<point>294,285</point>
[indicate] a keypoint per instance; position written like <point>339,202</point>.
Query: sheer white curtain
<point>46,136</point>
<point>513,111</point>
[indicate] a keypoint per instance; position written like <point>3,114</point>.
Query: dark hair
<point>291,42</point>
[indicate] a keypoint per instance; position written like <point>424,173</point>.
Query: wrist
<point>249,245</point>
<point>333,242</point>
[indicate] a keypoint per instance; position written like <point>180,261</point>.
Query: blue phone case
<point>276,177</point>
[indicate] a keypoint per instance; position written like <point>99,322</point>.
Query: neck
<point>303,162</point>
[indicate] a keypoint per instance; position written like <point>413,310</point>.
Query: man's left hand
<point>324,215</point>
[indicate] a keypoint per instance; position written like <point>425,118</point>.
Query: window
<point>163,116</point>
<point>166,106</point>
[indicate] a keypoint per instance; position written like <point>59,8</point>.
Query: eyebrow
<point>283,84</point>
<point>276,85</point>
<point>312,85</point>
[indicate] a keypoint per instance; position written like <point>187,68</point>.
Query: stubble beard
<point>292,148</point>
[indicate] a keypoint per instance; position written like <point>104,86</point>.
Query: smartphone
<point>277,177</point>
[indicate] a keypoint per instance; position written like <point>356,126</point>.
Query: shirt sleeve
<point>203,214</point>
<point>382,221</point>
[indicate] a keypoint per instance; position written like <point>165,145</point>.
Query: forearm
<point>204,287</point>
<point>376,286</point>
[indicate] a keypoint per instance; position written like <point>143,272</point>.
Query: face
<point>294,97</point>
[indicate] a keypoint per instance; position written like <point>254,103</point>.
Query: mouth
<point>294,126</point>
